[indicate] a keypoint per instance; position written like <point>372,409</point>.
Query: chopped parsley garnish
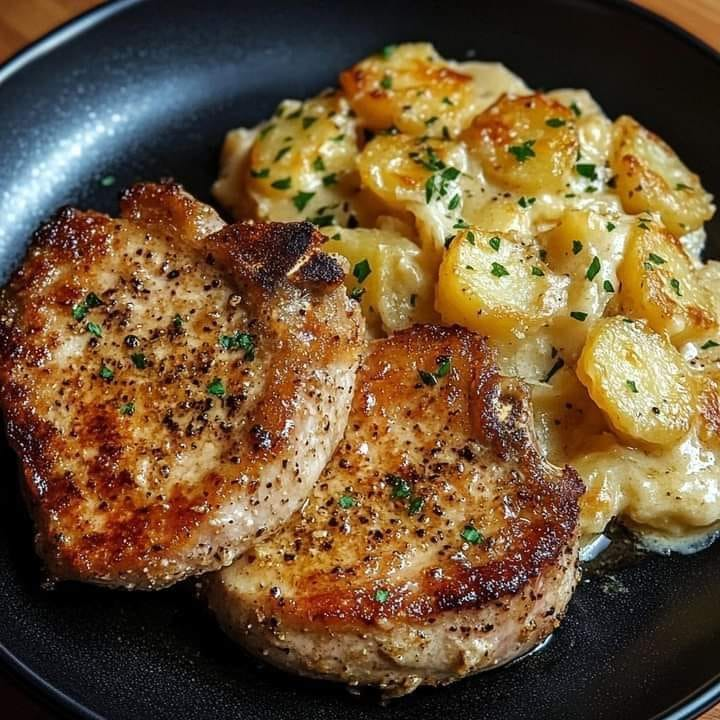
<point>177,321</point>
<point>656,259</point>
<point>498,270</point>
<point>239,341</point>
<point>127,408</point>
<point>362,270</point>
<point>593,268</point>
<point>266,130</point>
<point>610,227</point>
<point>675,285</point>
<point>308,121</point>
<point>79,311</point>
<point>302,199</point>
<point>558,364</point>
<point>282,184</point>
<point>577,246</point>
<point>94,329</point>
<point>644,224</point>
<point>330,179</point>
<point>494,243</point>
<point>537,271</point>
<point>281,152</point>
<point>318,164</point>
<point>346,502</point>
<point>470,237</point>
<point>431,120</point>
<point>415,505</point>
<point>472,535</point>
<point>608,286</point>
<point>356,293</point>
<point>295,114</point>
<point>631,385</point>
<point>522,152</point>
<point>682,186</point>
<point>587,170</point>
<point>460,225</point>
<point>524,202</point>
<point>381,595</point>
<point>322,220</point>
<point>447,101</point>
<point>401,488</point>
<point>387,51</point>
<point>444,364</point>
<point>428,378</point>
<point>429,188</point>
<point>386,82</point>
<point>106,373</point>
<point>139,360</point>
<point>262,173</point>
<point>338,138</point>
<point>555,122</point>
<point>454,202</point>
<point>578,315</point>
<point>709,344</point>
<point>575,108</point>
<point>216,388</point>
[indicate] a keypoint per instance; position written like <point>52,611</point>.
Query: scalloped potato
<point>533,218</point>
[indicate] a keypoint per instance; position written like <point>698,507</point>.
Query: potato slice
<point>639,380</point>
<point>528,144</point>
<point>389,276</point>
<point>301,164</point>
<point>661,284</point>
<point>652,178</point>
<point>410,87</point>
<point>496,283</point>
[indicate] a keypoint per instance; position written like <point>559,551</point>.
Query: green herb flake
<point>537,271</point>
<point>216,388</point>
<point>675,285</point>
<point>428,378</point>
<point>431,120</point>
<point>282,184</point>
<point>522,152</point>
<point>559,363</point>
<point>239,341</point>
<point>524,202</point>
<point>656,259</point>
<point>575,108</point>
<point>295,114</point>
<point>460,225</point>
<point>387,51</point>
<point>106,373</point>
<point>578,315</point>
<point>308,121</point>
<point>381,595</point>
<point>281,153</point>
<point>107,181</point>
<point>139,360</point>
<point>610,227</point>
<point>94,329</point>
<point>608,286</point>
<point>127,408</point>
<point>498,270</point>
<point>401,488</point>
<point>682,186</point>
<point>79,311</point>
<point>709,344</point>
<point>266,130</point>
<point>555,122</point>
<point>356,293</point>
<point>631,386</point>
<point>494,243</point>
<point>429,188</point>
<point>329,180</point>
<point>322,220</point>
<point>338,138</point>
<point>587,170</point>
<point>347,501</point>
<point>577,246</point>
<point>472,535</point>
<point>318,164</point>
<point>386,82</point>
<point>302,199</point>
<point>262,173</point>
<point>593,268</point>
<point>362,270</point>
<point>444,363</point>
<point>470,237</point>
<point>415,505</point>
<point>454,202</point>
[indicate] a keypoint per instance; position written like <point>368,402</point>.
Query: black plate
<point>141,90</point>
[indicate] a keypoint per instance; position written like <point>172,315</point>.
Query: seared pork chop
<point>173,387</point>
<point>437,543</point>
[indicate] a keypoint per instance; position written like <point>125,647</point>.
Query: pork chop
<point>173,387</point>
<point>437,543</point>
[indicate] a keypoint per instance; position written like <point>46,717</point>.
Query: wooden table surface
<point>22,21</point>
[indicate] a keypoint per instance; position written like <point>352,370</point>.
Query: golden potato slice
<point>639,380</point>
<point>389,276</point>
<point>496,284</point>
<point>650,177</point>
<point>301,164</point>
<point>410,87</point>
<point>660,284</point>
<point>528,144</point>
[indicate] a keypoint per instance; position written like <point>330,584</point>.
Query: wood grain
<point>22,21</point>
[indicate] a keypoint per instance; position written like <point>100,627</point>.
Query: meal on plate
<point>458,327</point>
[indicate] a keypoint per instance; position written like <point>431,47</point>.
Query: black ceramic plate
<point>142,90</point>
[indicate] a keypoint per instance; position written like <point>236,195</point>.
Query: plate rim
<point>692,706</point>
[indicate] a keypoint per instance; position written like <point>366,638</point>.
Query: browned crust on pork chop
<point>382,562</point>
<point>154,444</point>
